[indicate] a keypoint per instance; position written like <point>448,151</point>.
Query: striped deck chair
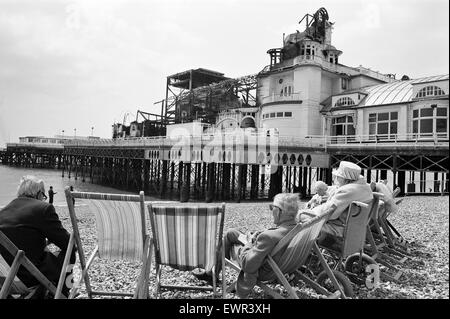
<point>187,237</point>
<point>393,237</point>
<point>390,272</point>
<point>382,234</point>
<point>121,235</point>
<point>298,245</point>
<point>11,285</point>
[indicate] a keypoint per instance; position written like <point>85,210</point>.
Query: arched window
<point>431,90</point>
<point>344,101</point>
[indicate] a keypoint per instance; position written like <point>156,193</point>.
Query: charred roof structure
<point>201,94</point>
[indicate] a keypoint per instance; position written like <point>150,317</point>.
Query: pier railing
<point>313,141</point>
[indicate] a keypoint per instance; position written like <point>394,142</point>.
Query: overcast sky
<point>83,64</point>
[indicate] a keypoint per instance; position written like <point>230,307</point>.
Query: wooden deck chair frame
<point>13,285</point>
<point>393,237</point>
<point>279,273</point>
<point>218,247</point>
<point>384,236</point>
<point>373,249</point>
<point>141,290</point>
<point>353,240</point>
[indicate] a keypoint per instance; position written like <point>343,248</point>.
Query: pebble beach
<point>422,221</point>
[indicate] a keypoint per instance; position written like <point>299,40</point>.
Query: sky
<point>83,65</point>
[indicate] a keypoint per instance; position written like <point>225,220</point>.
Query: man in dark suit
<point>31,223</point>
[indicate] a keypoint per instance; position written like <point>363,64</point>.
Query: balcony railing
<point>281,98</point>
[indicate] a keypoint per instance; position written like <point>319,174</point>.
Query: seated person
<point>351,186</point>
<point>29,222</point>
<point>321,196</point>
<point>251,254</point>
<point>388,202</point>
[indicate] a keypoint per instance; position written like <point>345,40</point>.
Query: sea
<point>10,179</point>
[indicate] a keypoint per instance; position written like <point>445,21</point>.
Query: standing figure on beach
<point>51,193</point>
<point>73,199</point>
<point>31,224</point>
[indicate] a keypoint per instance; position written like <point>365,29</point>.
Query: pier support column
<point>210,182</point>
<point>254,182</point>
<point>304,189</point>
<point>163,184</point>
<point>241,168</point>
<point>226,169</point>
<point>383,175</point>
<point>186,183</point>
<point>369,176</point>
<point>436,183</point>
<point>275,181</point>
<point>401,178</point>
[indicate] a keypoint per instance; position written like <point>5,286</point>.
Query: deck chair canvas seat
<point>393,237</point>
<point>186,238</point>
<point>391,272</point>
<point>12,286</point>
<point>298,245</point>
<point>121,235</point>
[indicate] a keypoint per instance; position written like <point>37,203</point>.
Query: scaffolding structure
<point>201,94</point>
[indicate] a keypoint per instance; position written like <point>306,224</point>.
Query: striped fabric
<point>119,229</point>
<point>186,237</point>
<point>17,285</point>
<point>300,247</point>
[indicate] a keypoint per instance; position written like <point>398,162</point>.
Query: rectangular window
<point>393,128</point>
<point>426,112</point>
<point>441,111</point>
<point>415,126</point>
<point>382,128</point>
<point>415,113</point>
<point>383,116</point>
<point>272,114</point>
<point>372,117</point>
<point>344,83</point>
<point>426,126</point>
<point>288,114</point>
<point>394,115</point>
<point>372,129</point>
<point>441,125</point>
<point>350,130</point>
<point>280,114</point>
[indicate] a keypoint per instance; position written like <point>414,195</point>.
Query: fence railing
<point>315,141</point>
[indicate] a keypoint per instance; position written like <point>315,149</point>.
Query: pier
<point>237,167</point>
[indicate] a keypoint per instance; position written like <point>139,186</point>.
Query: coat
<point>253,258</point>
<point>356,191</point>
<point>28,222</point>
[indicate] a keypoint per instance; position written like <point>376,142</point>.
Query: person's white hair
<point>287,202</point>
<point>30,186</point>
<point>320,185</point>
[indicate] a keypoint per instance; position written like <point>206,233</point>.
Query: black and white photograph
<point>223,154</point>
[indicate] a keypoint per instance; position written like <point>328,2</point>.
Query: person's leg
<point>52,267</point>
<point>231,239</point>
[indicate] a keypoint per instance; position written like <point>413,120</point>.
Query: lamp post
<point>62,133</point>
<point>75,133</point>
<point>92,131</point>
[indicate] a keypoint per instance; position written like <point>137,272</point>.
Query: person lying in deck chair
<point>250,252</point>
<point>351,186</point>
<point>30,223</point>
